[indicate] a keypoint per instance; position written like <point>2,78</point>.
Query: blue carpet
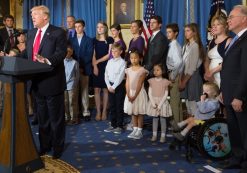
<point>87,151</point>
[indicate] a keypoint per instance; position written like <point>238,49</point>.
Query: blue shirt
<point>72,73</point>
<point>206,109</point>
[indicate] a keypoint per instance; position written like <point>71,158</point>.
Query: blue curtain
<point>56,8</point>
<point>202,10</point>
<point>171,11</point>
<point>91,11</point>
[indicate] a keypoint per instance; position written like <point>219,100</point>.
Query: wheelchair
<point>210,138</point>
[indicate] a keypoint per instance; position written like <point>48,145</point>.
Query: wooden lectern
<point>18,153</point>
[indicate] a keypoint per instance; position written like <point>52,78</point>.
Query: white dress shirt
<point>174,59</point>
<point>114,72</point>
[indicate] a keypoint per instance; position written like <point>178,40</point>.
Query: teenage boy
<point>174,64</point>
<point>83,53</point>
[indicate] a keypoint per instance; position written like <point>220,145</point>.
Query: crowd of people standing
<point>138,81</point>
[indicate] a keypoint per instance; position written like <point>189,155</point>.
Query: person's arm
<point>107,75</point>
<point>60,50</point>
<point>120,76</point>
<point>95,67</point>
<point>89,51</point>
<point>151,97</point>
<point>139,85</point>
<point>127,86</point>
<point>163,99</point>
<point>106,57</point>
<point>207,106</point>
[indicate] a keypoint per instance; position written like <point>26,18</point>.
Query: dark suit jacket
<point>4,35</point>
<point>53,46</point>
<point>157,50</point>
<point>234,71</point>
<point>83,53</point>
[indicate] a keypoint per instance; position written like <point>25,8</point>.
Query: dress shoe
<point>34,122</point>
<point>56,155</point>
<point>43,151</point>
<point>232,165</point>
<point>87,118</point>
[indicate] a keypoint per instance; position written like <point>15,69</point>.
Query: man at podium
<point>47,44</point>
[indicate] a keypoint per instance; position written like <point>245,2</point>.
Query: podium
<point>18,153</point>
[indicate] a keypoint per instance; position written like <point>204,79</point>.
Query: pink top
<point>158,86</point>
<point>134,76</point>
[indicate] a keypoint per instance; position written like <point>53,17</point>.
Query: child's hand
<point>155,106</point>
<point>111,90</point>
<point>203,97</point>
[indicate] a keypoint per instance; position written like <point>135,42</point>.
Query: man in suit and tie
<point>157,45</point>
<point>7,34</point>
<point>47,44</point>
<point>234,88</point>
<point>70,27</point>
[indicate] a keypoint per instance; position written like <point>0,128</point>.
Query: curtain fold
<point>171,11</point>
<point>91,11</point>
<point>56,7</point>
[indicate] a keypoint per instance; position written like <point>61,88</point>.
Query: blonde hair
<point>214,87</point>
<point>106,30</point>
<point>222,20</point>
<point>44,9</point>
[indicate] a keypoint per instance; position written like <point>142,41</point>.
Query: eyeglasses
<point>231,17</point>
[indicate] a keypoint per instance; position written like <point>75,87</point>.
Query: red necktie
<point>36,45</point>
<point>11,39</point>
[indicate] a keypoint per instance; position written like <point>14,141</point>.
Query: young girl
<point>206,109</point>
<point>102,47</point>
<point>118,38</point>
<point>193,56</point>
<point>158,106</point>
<point>136,97</point>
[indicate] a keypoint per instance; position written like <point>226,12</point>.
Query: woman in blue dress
<point>102,47</point>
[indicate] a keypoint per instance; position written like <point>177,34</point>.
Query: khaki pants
<point>71,104</point>
<point>84,80</point>
<point>175,101</point>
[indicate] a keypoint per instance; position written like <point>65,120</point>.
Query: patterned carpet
<point>88,152</point>
<point>56,166</point>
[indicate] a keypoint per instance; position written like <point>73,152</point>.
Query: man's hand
<point>41,59</point>
<point>237,105</point>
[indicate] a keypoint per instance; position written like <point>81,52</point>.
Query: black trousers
<point>237,126</point>
<point>51,118</point>
<point>116,101</point>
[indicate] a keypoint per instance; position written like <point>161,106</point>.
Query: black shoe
<point>87,118</point>
<point>34,122</point>
<point>56,155</point>
<point>43,151</point>
<point>231,166</point>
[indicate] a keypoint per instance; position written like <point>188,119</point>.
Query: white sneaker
<point>131,135</point>
<point>138,135</point>
<point>162,139</point>
<point>154,138</point>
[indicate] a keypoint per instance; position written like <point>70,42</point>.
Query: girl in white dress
<point>136,97</point>
<point>158,105</point>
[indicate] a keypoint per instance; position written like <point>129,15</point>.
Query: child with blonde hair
<point>206,109</point>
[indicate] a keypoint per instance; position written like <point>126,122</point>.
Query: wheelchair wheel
<point>213,139</point>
